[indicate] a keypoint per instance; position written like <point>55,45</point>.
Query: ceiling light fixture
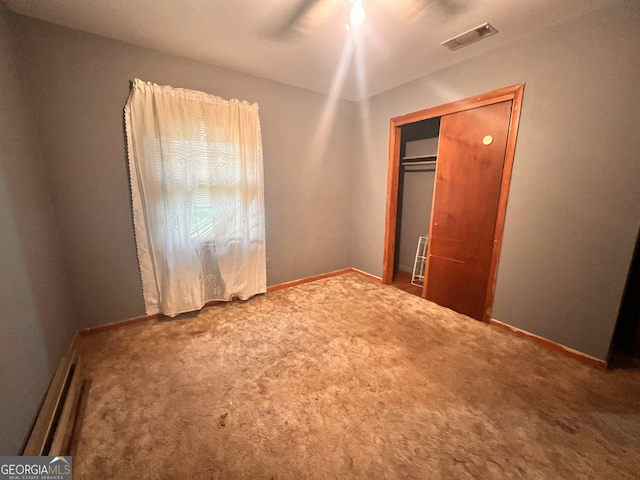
<point>357,15</point>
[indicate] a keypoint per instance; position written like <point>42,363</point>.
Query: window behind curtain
<point>197,194</point>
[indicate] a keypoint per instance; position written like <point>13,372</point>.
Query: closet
<point>475,148</point>
<point>418,153</point>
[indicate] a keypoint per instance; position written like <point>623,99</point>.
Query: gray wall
<point>79,83</point>
<point>36,320</point>
<point>574,206</point>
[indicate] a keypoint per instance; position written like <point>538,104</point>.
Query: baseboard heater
<point>52,433</point>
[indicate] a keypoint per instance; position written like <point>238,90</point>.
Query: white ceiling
<point>401,41</point>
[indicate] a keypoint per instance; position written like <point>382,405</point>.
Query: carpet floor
<point>345,378</point>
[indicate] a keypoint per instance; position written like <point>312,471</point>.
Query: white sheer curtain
<point>196,172</point>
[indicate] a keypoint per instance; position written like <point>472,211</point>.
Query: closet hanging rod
<point>424,162</point>
<point>419,157</point>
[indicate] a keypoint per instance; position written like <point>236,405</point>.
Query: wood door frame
<point>514,93</point>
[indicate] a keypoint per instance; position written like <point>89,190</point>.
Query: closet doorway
<point>418,154</point>
<point>476,144</point>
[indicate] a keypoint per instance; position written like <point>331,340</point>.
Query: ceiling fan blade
<point>450,8</point>
<point>295,17</point>
<point>453,7</point>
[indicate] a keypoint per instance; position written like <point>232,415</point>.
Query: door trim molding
<point>514,93</point>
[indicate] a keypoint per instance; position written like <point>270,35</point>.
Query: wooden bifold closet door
<point>471,158</point>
